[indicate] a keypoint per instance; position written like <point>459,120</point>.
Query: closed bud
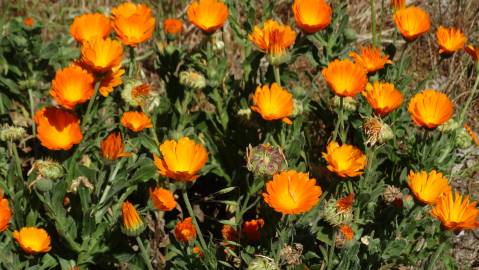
<point>192,79</point>
<point>350,104</point>
<point>11,133</point>
<point>245,113</point>
<point>43,184</point>
<point>278,59</point>
<point>298,107</point>
<point>463,139</point>
<point>127,93</point>
<point>49,169</point>
<point>265,160</point>
<point>448,126</point>
<point>350,34</point>
<point>408,201</point>
<point>263,263</point>
<point>334,216</point>
<point>217,42</point>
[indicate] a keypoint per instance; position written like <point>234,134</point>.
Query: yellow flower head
<point>33,240</point>
<point>450,40</point>
<point>345,78</point>
<point>90,26</point>
<point>383,97</point>
<point>274,38</point>
<point>112,147</point>
<point>430,108</point>
<point>428,187</point>
<point>345,160</point>
<point>312,15</point>
<point>273,103</point>
<point>136,121</point>
<point>412,22</point>
<point>133,23</point>
<point>132,223</point>
<point>456,213</point>
<point>102,55</point>
<point>370,58</point>
<point>208,15</point>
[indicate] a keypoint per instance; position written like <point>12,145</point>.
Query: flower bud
<point>263,263</point>
<point>245,113</point>
<point>265,159</point>
<point>350,104</point>
<point>393,195</point>
<point>278,59</point>
<point>43,184</point>
<point>463,139</point>
<point>49,169</point>
<point>350,34</point>
<point>11,133</point>
<point>408,201</point>
<point>217,42</point>
<point>192,79</point>
<point>127,93</point>
<point>298,107</point>
<point>335,217</point>
<point>448,126</point>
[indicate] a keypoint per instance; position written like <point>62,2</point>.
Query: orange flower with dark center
<point>185,230</point>
<point>172,26</point>
<point>182,159</point>
<point>312,15</point>
<point>135,121</point>
<point>292,192</point>
<point>5,213</point>
<point>274,38</point>
<point>383,97</point>
<point>370,58</point>
<point>71,86</point>
<point>473,52</point>
<point>345,204</point>
<point>345,160</point>
<point>112,79</point>
<point>28,21</point>
<point>252,229</point>
<point>273,103</point>
<point>162,199</point>
<point>450,40</point>
<point>428,187</point>
<point>57,129</point>
<point>132,223</point>
<point>347,231</point>
<point>398,4</point>
<point>412,22</point>
<point>90,26</point>
<point>112,147</point>
<point>208,15</point>
<point>33,240</point>
<point>456,213</point>
<point>345,78</point>
<point>430,108</point>
<point>471,133</point>
<point>133,23</point>
<point>102,55</point>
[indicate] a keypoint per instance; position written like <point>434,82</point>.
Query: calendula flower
<point>471,133</point>
<point>273,103</point>
<point>133,23</point>
<point>90,26</point>
<point>162,199</point>
<point>292,192</point>
<point>229,235</point>
<point>111,79</point>
<point>57,129</point>
<point>172,26</point>
<point>370,58</point>
<point>208,15</point>
<point>133,225</point>
<point>430,108</point>
<point>345,78</point>
<point>383,97</point>
<point>102,55</point>
<point>28,21</point>
<point>347,232</point>
<point>473,52</point>
<point>412,22</point>
<point>5,213</point>
<point>450,40</point>
<point>252,229</point>
<point>197,251</point>
<point>345,204</point>
<point>71,86</point>
<point>33,240</point>
<point>428,187</point>
<point>112,147</point>
<point>182,159</point>
<point>135,121</point>
<point>398,4</point>
<point>185,230</point>
<point>345,160</point>
<point>456,213</point>
<point>312,15</point>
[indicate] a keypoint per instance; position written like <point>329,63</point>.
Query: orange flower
<point>471,133</point>
<point>112,79</point>
<point>370,58</point>
<point>208,15</point>
<point>132,223</point>
<point>345,160</point>
<point>102,55</point>
<point>412,22</point>
<point>345,78</point>
<point>135,121</point>
<point>450,40</point>
<point>185,231</point>
<point>28,21</point>
<point>197,251</point>
<point>172,26</point>
<point>456,213</point>
<point>5,213</point>
<point>71,86</point>
<point>57,129</point>
<point>312,15</point>
<point>398,4</point>
<point>273,103</point>
<point>163,199</point>
<point>229,234</point>
<point>112,147</point>
<point>33,240</point>
<point>473,52</point>
<point>345,204</point>
<point>182,159</point>
<point>292,192</point>
<point>90,26</point>
<point>383,97</point>
<point>347,231</point>
<point>274,38</point>
<point>430,108</point>
<point>133,23</point>
<point>252,229</point>
<point>428,187</point>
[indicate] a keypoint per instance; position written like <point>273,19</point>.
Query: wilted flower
<point>33,240</point>
<point>473,52</point>
<point>428,187</point>
<point>182,159</point>
<point>185,230</point>
<point>350,104</point>
<point>192,79</point>
<point>412,22</point>
<point>345,236</point>
<point>229,235</point>
<point>377,131</point>
<point>71,86</point>
<point>132,223</point>
<point>111,79</point>
<point>312,15</point>
<point>49,169</point>
<point>393,195</point>
<point>472,134</point>
<point>345,160</point>
<point>292,254</point>
<point>11,133</point>
<point>57,129</point>
<point>252,229</point>
<point>81,180</point>
<point>456,213</point>
<point>335,214</point>
<point>172,27</point>
<point>370,58</point>
<point>5,213</point>
<point>292,192</point>
<point>273,103</point>
<point>263,263</point>
<point>90,26</point>
<point>162,199</point>
<point>265,159</point>
<point>345,204</point>
<point>448,126</point>
<point>208,15</point>
<point>430,108</point>
<point>133,23</point>
<point>450,40</point>
<point>102,55</point>
<point>112,147</point>
<point>135,121</point>
<point>345,78</point>
<point>383,97</point>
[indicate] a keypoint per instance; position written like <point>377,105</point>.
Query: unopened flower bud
<point>49,169</point>
<point>448,126</point>
<point>335,217</point>
<point>350,34</point>
<point>278,59</point>
<point>408,201</point>
<point>463,139</point>
<point>350,104</point>
<point>298,107</point>
<point>262,263</point>
<point>43,184</point>
<point>192,79</point>
<point>245,113</point>
<point>265,160</point>
<point>11,133</point>
<point>127,93</point>
<point>217,42</point>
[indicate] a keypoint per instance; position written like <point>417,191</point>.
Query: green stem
<point>469,100</point>
<point>193,217</point>
<point>277,76</point>
<point>373,21</point>
<point>32,111</point>
<point>340,119</point>
<point>331,251</point>
<point>131,69</point>
<point>432,264</point>
<point>87,117</point>
<point>144,253</point>
<point>13,146</point>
